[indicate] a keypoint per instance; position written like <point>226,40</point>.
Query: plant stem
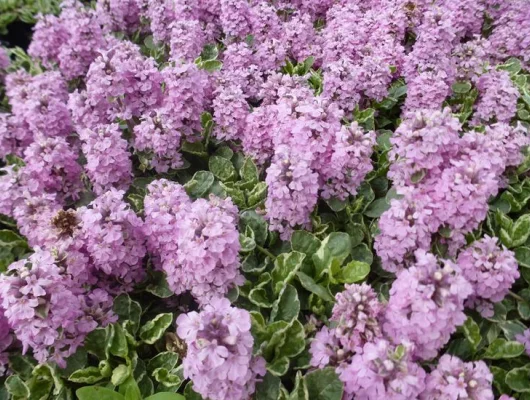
<point>516,296</point>
<point>266,252</point>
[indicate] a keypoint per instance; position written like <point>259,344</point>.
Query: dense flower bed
<point>233,199</point>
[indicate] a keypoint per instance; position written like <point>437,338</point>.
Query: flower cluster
<point>454,379</point>
<point>383,371</point>
<point>71,41</point>
<point>112,235</point>
<point>445,181</point>
<point>47,311</point>
<point>312,154</point>
<point>39,107</point>
<point>102,244</point>
<point>195,243</point>
<point>490,269</point>
<point>6,340</point>
<point>108,163</point>
<point>356,320</point>
<point>219,351</point>
<point>498,98</point>
<point>126,92</point>
<point>426,305</point>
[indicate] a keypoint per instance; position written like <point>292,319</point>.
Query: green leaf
<point>136,201</point>
<point>16,387</point>
<point>294,342</point>
<point>513,66</point>
<point>209,52</point>
<point>309,284</point>
<point>120,374</point>
<point>259,297</point>
<point>279,366</point>
<point>199,184</point>
<point>166,378</point>
<point>22,365</point>
<point>166,396</point>
<point>377,208</point>
<point>336,204</point>
<point>362,253</point>
<point>520,230</point>
<point>76,361</point>
<point>237,195</point>
<point>518,379</point>
<point>287,307</point>
<point>268,388</point>
<point>40,389</point>
<point>499,377</point>
<point>418,176</point>
<point>461,87</point>
<point>154,329</point>
<point>118,345</point>
<point>159,286</point>
<point>339,245</point>
<point>132,391</point>
<point>335,248</point>
<point>305,242</point>
<point>512,328</point>
<point>46,372</point>
<point>190,394</point>
<point>105,368</point>
<point>286,266</point>
<point>501,348</point>
<point>211,65</point>
<point>523,306</point>
<point>166,359</point>
<point>249,171</point>
<point>86,375</point>
<point>257,195</point>
<point>128,310</point>
<point>300,388</point>
<point>195,148</point>
<point>247,244</point>
<point>146,386</point>
<point>257,223</point>
<point>522,254</point>
<point>11,239</point>
<point>222,168</point>
<point>97,393</point>
<point>472,332</point>
<point>354,271</point>
<point>324,384</point>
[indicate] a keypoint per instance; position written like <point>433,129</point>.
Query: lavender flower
<point>113,237</point>
<point>426,305</point>
<point>355,321</point>
<point>159,134</point>
<point>292,190</point>
<point>208,250</point>
<point>195,243</point>
<point>489,268</point>
<point>108,163</point>
<point>454,379</point>
<point>45,309</point>
<point>6,340</point>
<point>219,357</point>
<point>380,371</point>
<point>498,98</point>
<point>51,167</point>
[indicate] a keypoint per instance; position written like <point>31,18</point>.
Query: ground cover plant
<point>232,199</point>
